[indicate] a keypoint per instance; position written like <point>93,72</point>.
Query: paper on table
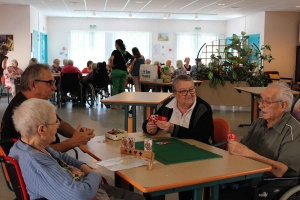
<point>125,162</point>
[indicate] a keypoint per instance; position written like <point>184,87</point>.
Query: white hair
<point>70,62</point>
<point>284,93</point>
<point>31,114</point>
<point>179,64</point>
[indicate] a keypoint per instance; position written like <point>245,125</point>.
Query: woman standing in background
<point>118,63</point>
<point>135,71</point>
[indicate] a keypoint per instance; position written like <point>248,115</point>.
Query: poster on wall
<point>7,40</point>
<point>163,37</point>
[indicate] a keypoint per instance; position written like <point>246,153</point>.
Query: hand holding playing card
<point>151,128</point>
<point>166,126</point>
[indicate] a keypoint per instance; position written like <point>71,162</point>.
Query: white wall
<point>58,31</point>
<point>38,22</point>
<point>282,33</point>
<point>251,24</point>
<point>16,21</point>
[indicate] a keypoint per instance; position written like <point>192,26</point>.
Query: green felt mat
<point>177,152</point>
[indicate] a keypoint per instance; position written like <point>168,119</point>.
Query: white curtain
<point>98,46</point>
<point>85,46</point>
<point>188,44</point>
<point>141,40</point>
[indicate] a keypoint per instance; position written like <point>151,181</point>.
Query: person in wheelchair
<point>96,80</point>
<point>49,174</point>
<point>273,139</point>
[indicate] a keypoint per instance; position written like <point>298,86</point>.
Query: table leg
<point>121,183</point>
<point>134,118</point>
<point>126,118</point>
<point>252,111</point>
<point>198,194</point>
<point>215,192</point>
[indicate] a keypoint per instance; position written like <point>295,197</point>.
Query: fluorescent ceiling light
<point>221,4</point>
<point>138,2</point>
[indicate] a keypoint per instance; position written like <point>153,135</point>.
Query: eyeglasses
<point>265,102</point>
<point>57,123</point>
<point>50,82</point>
<point>184,92</point>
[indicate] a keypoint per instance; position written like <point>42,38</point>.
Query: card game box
<point>115,134</point>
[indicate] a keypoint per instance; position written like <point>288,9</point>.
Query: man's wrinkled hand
<point>82,135</point>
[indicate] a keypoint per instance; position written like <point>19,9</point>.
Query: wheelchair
<point>69,84</point>
<point>98,85</point>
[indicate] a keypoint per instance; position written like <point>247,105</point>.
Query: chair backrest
<point>100,75</point>
<point>3,79</point>
<point>221,130</point>
<point>16,178</point>
<point>295,111</point>
<point>272,76</point>
<point>69,82</point>
<point>12,171</point>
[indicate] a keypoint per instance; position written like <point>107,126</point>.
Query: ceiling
<point>157,9</point>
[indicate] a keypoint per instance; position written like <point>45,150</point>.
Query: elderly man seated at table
<point>37,81</point>
<point>273,139</point>
<point>70,68</point>
<point>189,117</point>
<point>48,173</point>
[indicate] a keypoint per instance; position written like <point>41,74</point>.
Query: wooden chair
<point>12,172</point>
<point>273,76</point>
<point>221,130</point>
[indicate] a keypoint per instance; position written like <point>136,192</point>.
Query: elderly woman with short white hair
<point>50,174</point>
<point>10,71</point>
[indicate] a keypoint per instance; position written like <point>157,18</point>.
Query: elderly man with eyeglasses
<point>37,81</point>
<point>189,117</point>
<point>273,139</point>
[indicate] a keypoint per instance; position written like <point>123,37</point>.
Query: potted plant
<point>240,62</point>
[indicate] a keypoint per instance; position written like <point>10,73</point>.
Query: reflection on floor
<point>102,119</point>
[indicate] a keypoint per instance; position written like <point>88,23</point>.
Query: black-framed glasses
<point>50,82</point>
<point>266,102</point>
<point>184,92</point>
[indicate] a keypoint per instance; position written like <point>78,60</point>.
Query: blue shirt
<point>136,67</point>
<point>45,178</point>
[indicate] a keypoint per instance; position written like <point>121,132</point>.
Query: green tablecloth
<point>177,152</point>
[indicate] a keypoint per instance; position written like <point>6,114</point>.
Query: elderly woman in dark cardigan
<point>189,117</point>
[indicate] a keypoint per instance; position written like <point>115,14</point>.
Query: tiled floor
<point>102,119</point>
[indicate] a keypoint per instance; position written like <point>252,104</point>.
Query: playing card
<point>153,118</point>
<point>131,142</point>
<point>148,145</point>
<point>125,142</point>
<point>231,136</point>
<point>162,118</point>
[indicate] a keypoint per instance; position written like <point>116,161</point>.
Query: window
<point>188,44</point>
<point>85,46</point>
<point>141,40</point>
<point>97,46</point>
